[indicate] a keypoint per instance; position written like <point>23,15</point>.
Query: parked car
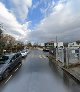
<point>24,53</point>
<point>45,49</point>
<point>8,62</point>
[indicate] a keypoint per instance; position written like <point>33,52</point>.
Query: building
<point>74,44</point>
<point>60,44</point>
<point>42,44</point>
<point>48,45</point>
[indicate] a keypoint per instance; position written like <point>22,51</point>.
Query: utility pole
<point>56,42</point>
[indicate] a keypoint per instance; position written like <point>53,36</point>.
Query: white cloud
<point>64,22</point>
<point>10,24</point>
<point>59,7</point>
<point>48,6</point>
<point>21,8</point>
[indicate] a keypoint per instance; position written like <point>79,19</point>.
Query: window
<point>17,55</point>
<point>14,57</point>
<point>3,59</point>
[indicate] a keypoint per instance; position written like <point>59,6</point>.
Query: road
<point>35,75</point>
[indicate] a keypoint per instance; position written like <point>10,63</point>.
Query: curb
<point>71,75</point>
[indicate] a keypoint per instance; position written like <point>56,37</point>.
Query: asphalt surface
<point>34,75</point>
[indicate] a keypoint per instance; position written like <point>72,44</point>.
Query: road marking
<point>16,69</point>
<point>40,56</point>
<point>32,56</point>
<point>19,65</point>
<point>11,75</point>
<point>8,79</point>
<point>43,56</point>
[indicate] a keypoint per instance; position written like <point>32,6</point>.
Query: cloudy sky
<point>41,20</point>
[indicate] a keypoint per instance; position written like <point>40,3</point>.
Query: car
<point>24,53</point>
<point>8,63</point>
<point>45,50</point>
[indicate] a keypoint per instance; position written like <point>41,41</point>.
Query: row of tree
<point>9,44</point>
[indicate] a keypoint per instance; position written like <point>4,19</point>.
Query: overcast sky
<point>41,20</point>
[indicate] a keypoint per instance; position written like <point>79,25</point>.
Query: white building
<point>42,44</point>
<point>60,44</point>
<point>74,44</point>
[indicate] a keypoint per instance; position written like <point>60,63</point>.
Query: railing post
<point>56,54</point>
<point>65,57</point>
<point>79,53</point>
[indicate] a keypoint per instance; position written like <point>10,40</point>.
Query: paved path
<point>35,75</point>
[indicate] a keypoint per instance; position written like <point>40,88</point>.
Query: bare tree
<point>1,40</point>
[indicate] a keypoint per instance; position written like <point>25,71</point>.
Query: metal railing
<point>68,55</point>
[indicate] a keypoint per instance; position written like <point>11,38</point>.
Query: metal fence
<point>60,54</point>
<point>72,55</point>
